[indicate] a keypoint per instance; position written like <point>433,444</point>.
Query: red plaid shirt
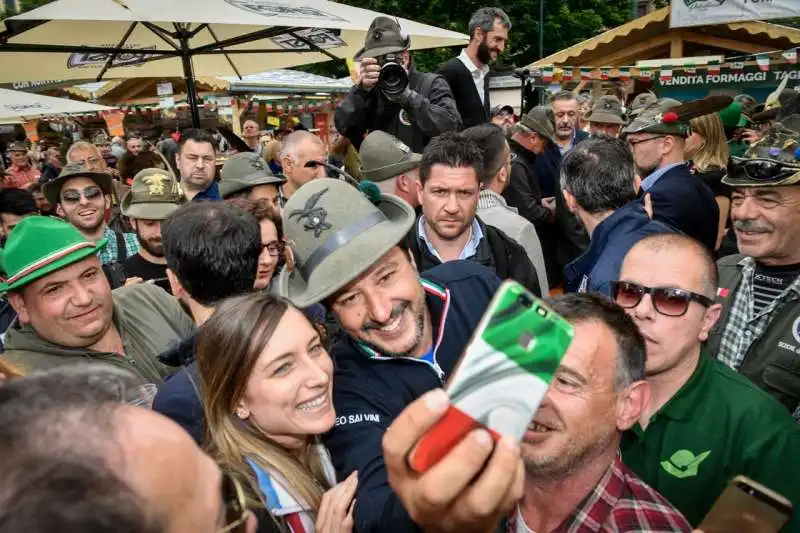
<point>621,502</point>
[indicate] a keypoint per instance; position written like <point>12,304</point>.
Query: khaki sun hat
<point>155,194</point>
<point>384,156</point>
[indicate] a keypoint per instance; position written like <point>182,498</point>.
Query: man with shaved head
<point>251,133</point>
<point>75,458</point>
<point>705,423</point>
<point>301,154</point>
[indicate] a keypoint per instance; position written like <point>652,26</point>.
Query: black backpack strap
<point>427,83</point>
<point>122,247</point>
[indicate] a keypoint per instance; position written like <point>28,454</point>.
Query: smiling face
<point>288,392</point>
<point>492,43</point>
<point>83,204</point>
<point>580,417</point>
<point>449,200</point>
<point>385,308</point>
<point>19,158</point>
<point>69,307</point>
<point>767,223</point>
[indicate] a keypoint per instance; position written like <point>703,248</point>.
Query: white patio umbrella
<point>18,106</point>
<point>89,39</point>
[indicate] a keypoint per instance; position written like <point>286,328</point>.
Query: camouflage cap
<point>540,120</point>
<point>655,119</point>
<point>772,161</point>
<point>384,156</point>
<point>244,171</point>
<point>606,110</point>
<point>641,101</point>
<point>155,194</point>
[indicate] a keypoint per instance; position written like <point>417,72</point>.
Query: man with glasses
<point>127,468</point>
<point>705,424</point>
<point>82,198</point>
<point>759,331</point>
<point>103,143</point>
<point>492,207</point>
<point>197,163</point>
<point>503,117</point>
<point>299,153</point>
<point>657,137</point>
<point>89,156</point>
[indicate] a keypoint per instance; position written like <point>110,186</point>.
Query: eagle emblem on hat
<point>257,164</point>
<point>377,35</point>
<point>607,105</point>
<point>312,217</point>
<point>156,184</point>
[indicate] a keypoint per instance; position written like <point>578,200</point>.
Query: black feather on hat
<point>697,108</point>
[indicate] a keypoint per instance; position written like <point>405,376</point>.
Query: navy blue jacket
<point>599,265</point>
<point>681,200</point>
<point>370,390</point>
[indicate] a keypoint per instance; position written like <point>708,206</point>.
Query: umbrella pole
<point>191,88</point>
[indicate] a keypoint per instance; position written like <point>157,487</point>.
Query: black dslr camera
<point>393,78</point>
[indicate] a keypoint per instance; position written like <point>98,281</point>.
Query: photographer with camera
<point>392,96</point>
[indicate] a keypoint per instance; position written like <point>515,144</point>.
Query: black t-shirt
<point>713,178</point>
<point>137,266</point>
<point>769,282</point>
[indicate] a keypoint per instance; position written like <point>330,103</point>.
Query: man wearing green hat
<point>392,96</point>
<point>67,313</point>
<point>404,333</point>
<point>606,117</point>
<point>387,161</point>
<point>154,195</point>
<point>758,333</point>
<point>82,197</point>
<point>641,101</point>
<point>247,175</point>
<point>657,137</point>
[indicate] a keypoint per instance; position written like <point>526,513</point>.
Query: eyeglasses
<point>640,141</point>
<point>73,196</point>
<point>666,301</point>
<point>93,160</point>
<point>761,169</point>
<point>236,512</point>
<point>273,248</point>
<point>313,164</point>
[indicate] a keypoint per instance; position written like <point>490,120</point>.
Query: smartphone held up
<point>503,375</point>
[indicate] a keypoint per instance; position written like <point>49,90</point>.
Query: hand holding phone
<point>747,507</point>
<point>503,375</point>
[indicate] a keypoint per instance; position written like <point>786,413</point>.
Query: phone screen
<point>747,507</point>
<point>503,375</point>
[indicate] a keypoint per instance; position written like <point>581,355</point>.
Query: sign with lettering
<point>748,77</point>
<point>701,12</point>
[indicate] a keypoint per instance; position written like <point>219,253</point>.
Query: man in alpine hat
<point>247,175</point>
<point>606,117</point>
<point>404,335</point>
<point>656,137</point>
<point>67,313</point>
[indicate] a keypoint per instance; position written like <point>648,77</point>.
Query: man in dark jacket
<point>448,228</point>
<point>533,135</point>
<point>414,112</point>
<point>204,268</point>
<point>758,333</point>
<point>468,74</point>
<point>679,198</point>
<point>597,178</point>
<point>404,335</point>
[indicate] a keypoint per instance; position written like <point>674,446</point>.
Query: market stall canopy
<point>285,81</point>
<point>89,39</point>
<point>145,90</point>
<point>18,106</point>
<point>650,37</point>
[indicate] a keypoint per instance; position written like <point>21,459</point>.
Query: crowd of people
<point>259,345</point>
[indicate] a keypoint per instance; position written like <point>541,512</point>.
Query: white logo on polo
<point>796,329</point>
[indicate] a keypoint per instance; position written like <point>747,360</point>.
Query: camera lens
<point>393,79</point>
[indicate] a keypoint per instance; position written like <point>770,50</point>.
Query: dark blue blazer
<point>681,200</point>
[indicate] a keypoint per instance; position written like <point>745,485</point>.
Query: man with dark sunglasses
<point>679,199</point>
<point>758,334</point>
<point>297,151</point>
<point>82,198</point>
<point>705,423</point>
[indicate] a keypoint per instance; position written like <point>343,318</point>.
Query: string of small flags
<point>764,61</point>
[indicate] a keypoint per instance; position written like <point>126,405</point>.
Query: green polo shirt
<point>717,426</point>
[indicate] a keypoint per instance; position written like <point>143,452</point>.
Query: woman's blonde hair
<point>713,149</point>
<point>272,152</point>
<point>8,370</point>
<point>228,346</point>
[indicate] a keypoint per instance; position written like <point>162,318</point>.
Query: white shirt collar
<point>470,65</point>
